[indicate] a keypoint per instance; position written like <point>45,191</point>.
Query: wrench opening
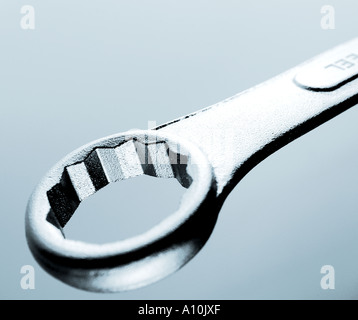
<point>135,261</point>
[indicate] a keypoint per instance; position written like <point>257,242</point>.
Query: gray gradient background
<point>94,68</point>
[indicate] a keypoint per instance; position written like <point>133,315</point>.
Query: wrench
<point>208,152</point>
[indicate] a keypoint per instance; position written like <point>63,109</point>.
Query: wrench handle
<point>238,133</point>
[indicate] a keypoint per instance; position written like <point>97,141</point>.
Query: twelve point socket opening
<point>104,165</point>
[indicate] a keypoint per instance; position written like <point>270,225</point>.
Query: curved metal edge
<point>133,262</point>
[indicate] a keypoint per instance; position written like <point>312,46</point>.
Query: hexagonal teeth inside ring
<point>104,165</point>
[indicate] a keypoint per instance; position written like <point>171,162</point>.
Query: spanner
<point>208,152</point>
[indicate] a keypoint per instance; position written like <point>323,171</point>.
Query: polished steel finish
<point>208,152</point>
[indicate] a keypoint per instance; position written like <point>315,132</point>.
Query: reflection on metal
<point>208,152</point>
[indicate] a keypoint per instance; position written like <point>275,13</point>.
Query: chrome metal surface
<point>208,152</point>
